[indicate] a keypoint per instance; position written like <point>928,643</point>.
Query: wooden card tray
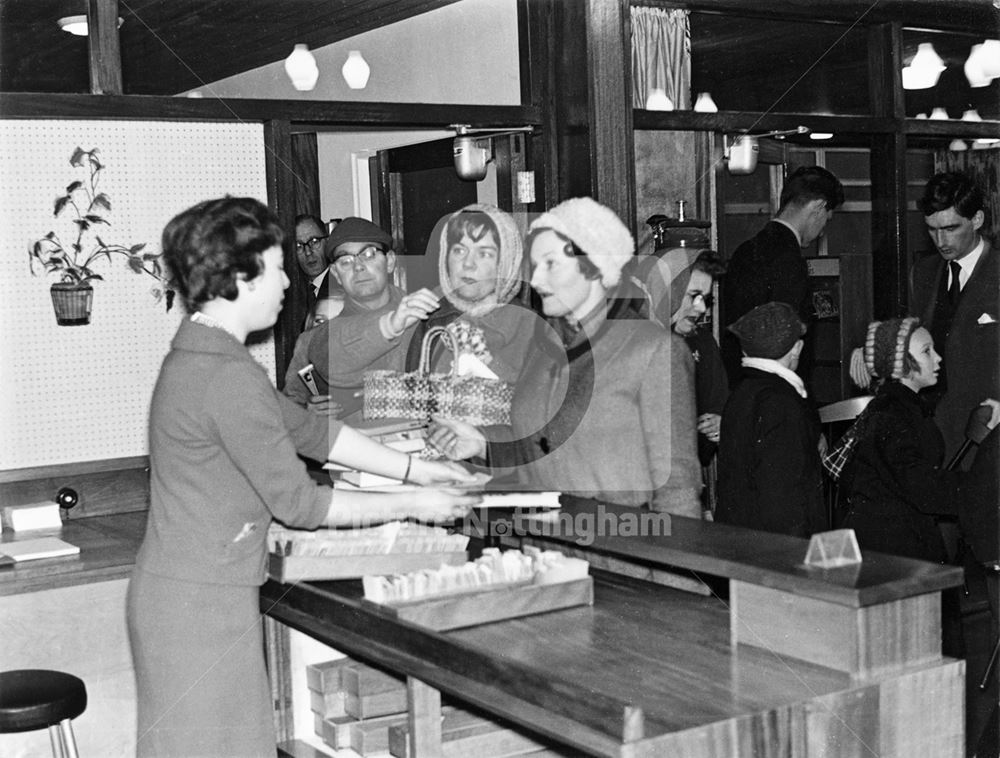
<point>484,606</point>
<point>296,568</point>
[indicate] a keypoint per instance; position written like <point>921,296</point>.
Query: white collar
<point>771,366</point>
<point>798,237</point>
<point>318,279</point>
<point>969,260</point>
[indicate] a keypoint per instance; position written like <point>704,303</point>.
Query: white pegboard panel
<point>80,393</point>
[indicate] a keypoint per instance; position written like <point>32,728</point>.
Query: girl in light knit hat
<point>604,407</point>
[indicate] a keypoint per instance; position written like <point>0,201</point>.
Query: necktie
<point>956,287</point>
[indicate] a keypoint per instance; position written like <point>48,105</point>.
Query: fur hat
<point>596,230</point>
<point>509,255</point>
<point>354,229</point>
<point>886,346</point>
<point>769,330</point>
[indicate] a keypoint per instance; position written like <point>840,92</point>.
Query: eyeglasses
<point>366,255</point>
<point>310,243</point>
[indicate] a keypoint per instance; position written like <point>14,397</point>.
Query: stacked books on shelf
<point>298,554</point>
<point>496,586</point>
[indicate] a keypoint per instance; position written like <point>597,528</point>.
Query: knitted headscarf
<point>596,230</point>
<point>509,257</point>
<point>887,345</point>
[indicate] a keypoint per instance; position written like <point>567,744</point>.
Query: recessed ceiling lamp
<point>658,100</point>
<point>925,68</point>
<point>301,68</point>
<point>705,103</point>
<point>356,70</point>
<point>78,25</point>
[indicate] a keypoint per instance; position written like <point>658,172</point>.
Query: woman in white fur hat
<point>604,407</point>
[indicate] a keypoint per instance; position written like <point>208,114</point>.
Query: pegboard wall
<point>81,393</point>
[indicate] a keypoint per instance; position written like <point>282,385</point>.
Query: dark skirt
<point>200,673</point>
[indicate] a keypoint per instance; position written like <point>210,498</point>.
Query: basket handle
<point>425,348</point>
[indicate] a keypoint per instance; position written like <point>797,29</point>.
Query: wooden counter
<point>108,546</point>
<point>652,671</point>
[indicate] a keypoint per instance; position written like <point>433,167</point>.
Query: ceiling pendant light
<point>705,103</point>
<point>957,146</point>
<point>658,100</point>
<point>989,58</point>
<point>77,25</point>
<point>939,114</point>
<point>974,67</point>
<point>356,70</point>
<point>925,68</point>
<point>301,68</point>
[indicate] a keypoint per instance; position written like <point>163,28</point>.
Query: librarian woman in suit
<point>223,463</point>
<point>604,407</point>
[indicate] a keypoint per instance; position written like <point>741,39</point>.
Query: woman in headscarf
<point>604,406</point>
<point>480,272</point>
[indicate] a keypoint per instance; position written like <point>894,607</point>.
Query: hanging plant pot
<point>72,303</point>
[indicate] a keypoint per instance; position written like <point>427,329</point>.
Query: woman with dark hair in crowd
<point>223,447</point>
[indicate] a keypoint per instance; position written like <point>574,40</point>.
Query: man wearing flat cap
<point>770,476</point>
<point>367,333</point>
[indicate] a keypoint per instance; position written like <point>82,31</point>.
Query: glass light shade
<point>78,25</point>
<point>820,135</point>
<point>921,115</point>
<point>971,115</point>
<point>989,58</point>
<point>301,68</point>
<point>925,68</point>
<point>939,114</point>
<point>356,70</point>
<point>974,67</point>
<point>705,103</point>
<point>957,146</point>
<point>658,100</point>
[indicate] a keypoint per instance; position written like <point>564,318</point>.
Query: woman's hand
<point>438,473</point>
<point>709,425</point>
<point>436,505</point>
<point>995,407</point>
<point>414,307</point>
<point>456,439</point>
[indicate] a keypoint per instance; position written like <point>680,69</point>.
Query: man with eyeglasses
<point>369,332</point>
<point>310,236</point>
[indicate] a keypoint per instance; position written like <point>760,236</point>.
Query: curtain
<point>661,55</point>
<point>983,166</point>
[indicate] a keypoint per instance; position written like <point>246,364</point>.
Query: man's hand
<point>323,405</point>
<point>709,424</point>
<point>414,307</point>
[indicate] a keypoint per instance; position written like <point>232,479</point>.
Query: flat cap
<point>354,229</point>
<point>769,330</point>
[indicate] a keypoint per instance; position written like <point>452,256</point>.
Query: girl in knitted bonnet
<point>894,481</point>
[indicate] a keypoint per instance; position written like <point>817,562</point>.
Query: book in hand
<point>43,547</point>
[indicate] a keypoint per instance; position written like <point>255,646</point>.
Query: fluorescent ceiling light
<point>78,25</point>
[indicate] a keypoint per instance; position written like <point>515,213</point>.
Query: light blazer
<point>970,354</point>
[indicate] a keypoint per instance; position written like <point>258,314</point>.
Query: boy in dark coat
<point>770,476</point>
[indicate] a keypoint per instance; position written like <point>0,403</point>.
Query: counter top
<point>761,558</point>
<point>108,546</point>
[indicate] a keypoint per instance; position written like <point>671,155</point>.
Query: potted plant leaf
<point>72,296</point>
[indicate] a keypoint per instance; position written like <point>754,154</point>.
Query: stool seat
<point>38,698</point>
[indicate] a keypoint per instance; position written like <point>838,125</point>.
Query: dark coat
<point>770,475</point>
<point>710,383</point>
<point>894,482</point>
<point>768,267</point>
<point>971,355</point>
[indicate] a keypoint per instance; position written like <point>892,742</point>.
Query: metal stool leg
<point>56,738</point>
<point>69,741</point>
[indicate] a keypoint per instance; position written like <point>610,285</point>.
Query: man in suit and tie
<point>956,294</point>
<point>310,236</point>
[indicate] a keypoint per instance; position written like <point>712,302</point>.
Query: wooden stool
<point>37,698</point>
